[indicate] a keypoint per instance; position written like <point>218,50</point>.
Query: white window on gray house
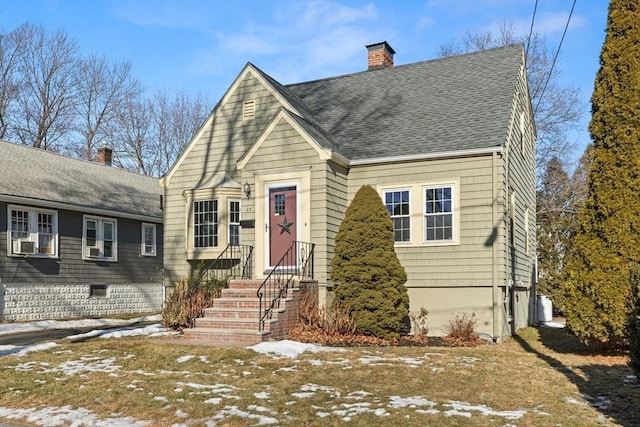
<point>149,239</point>
<point>32,232</point>
<point>205,223</point>
<point>234,222</point>
<point>99,239</point>
<point>398,205</point>
<point>438,213</point>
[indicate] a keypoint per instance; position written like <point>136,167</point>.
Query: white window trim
<point>143,245</point>
<point>192,225</point>
<point>33,232</point>
<point>222,195</point>
<point>417,211</point>
<point>99,238</point>
<point>411,225</point>
<point>229,223</point>
<point>455,223</point>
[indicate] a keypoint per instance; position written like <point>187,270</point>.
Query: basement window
<point>249,110</point>
<point>98,291</point>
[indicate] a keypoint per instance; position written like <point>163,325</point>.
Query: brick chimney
<point>105,155</point>
<point>380,55</point>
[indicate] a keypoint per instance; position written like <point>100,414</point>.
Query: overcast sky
<point>200,46</point>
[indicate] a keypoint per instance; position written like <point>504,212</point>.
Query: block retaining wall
<point>41,301</point>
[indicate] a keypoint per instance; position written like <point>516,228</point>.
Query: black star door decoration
<point>285,226</point>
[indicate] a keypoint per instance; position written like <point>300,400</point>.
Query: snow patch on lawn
<point>14,328</point>
<point>67,415</point>
<point>22,350</point>
<point>290,349</point>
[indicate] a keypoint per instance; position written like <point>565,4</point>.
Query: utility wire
<point>555,58</point>
<point>533,18</point>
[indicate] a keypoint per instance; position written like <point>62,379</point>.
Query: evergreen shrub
<point>367,275</point>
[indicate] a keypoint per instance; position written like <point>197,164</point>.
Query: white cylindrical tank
<point>545,309</point>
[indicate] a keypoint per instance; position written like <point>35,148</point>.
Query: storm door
<point>282,223</point>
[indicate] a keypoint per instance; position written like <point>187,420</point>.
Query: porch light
<point>247,189</point>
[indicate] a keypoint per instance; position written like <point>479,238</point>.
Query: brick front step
<point>232,313</point>
<point>239,324</point>
<point>239,293</point>
<point>225,336</point>
<point>233,320</point>
<point>236,303</point>
<point>245,284</point>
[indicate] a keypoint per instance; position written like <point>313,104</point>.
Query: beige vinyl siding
<point>219,147</point>
<point>284,150</point>
<point>520,176</point>
<point>337,190</point>
<point>468,263</point>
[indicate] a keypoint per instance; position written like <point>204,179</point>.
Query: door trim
<point>264,180</point>
<point>267,190</point>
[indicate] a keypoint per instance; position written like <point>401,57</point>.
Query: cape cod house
<point>77,238</point>
<point>448,144</point>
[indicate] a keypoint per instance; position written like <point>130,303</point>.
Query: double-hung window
<point>148,239</point>
<point>398,205</point>
<point>205,223</point>
<point>33,232</point>
<point>234,222</point>
<point>99,240</point>
<point>438,213</point>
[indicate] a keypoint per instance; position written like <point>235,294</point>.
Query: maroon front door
<point>282,223</point>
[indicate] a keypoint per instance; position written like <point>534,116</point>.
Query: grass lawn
<point>540,378</point>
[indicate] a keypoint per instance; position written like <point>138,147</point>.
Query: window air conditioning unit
<point>94,252</point>
<point>24,247</point>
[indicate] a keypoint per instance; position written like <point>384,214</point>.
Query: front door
<point>282,222</point>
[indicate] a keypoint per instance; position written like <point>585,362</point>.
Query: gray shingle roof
<point>43,175</point>
<point>449,104</point>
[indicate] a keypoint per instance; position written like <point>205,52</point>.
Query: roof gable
<point>39,177</point>
<point>310,135</point>
<point>269,83</point>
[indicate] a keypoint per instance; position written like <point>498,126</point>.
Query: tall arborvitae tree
<point>598,288</point>
<point>368,277</point>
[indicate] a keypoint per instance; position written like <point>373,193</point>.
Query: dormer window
<point>249,110</point>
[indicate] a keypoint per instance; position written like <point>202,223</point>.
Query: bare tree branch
<point>47,96</point>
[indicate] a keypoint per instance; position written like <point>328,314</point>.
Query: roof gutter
<point>84,209</point>
<point>440,155</point>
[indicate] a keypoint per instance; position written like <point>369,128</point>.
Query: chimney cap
<point>381,45</point>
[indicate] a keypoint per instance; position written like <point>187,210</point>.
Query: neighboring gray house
<point>77,238</point>
<point>447,143</point>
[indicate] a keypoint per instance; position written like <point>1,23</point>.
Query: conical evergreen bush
<point>368,277</point>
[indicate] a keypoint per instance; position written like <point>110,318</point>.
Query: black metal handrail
<point>235,262</point>
<point>297,262</point>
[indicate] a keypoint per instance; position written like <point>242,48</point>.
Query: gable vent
<point>249,110</point>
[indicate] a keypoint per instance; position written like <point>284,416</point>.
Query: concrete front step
<point>225,336</point>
